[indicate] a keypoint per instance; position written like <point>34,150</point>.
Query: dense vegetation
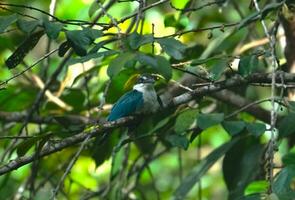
<point>226,128</point>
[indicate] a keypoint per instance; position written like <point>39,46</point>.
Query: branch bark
<point>235,81</point>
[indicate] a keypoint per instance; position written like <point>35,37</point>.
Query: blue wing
<point>126,105</point>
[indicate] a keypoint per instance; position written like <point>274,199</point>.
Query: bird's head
<point>146,79</point>
<point>141,80</point>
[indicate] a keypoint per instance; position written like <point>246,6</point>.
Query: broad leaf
<point>6,21</point>
<point>207,120</point>
<point>27,26</point>
<point>241,165</point>
<point>79,40</point>
<point>118,63</point>
<point>22,50</point>
<point>256,129</point>
<point>52,29</point>
<point>93,8</point>
<point>178,141</point>
<point>247,65</point>
<point>159,63</point>
<point>289,159</point>
<point>23,147</point>
<point>257,187</point>
<point>286,126</point>
<point>233,127</point>
<point>194,176</point>
<point>135,40</point>
<point>185,119</point>
<point>217,70</point>
<point>283,184</point>
<point>172,47</point>
<point>163,67</point>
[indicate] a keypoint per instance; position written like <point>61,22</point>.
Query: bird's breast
<point>150,102</point>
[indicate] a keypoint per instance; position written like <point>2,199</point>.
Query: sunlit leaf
<point>257,187</point>
<point>93,8</point>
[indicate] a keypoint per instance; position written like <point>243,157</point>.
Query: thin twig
<point>271,146</point>
<point>70,166</point>
<point>28,68</point>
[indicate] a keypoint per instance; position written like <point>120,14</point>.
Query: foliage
<point>216,135</point>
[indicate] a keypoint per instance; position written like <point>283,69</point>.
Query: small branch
<point>198,8</point>
<point>28,68</point>
<point>108,126</point>
<point>70,166</point>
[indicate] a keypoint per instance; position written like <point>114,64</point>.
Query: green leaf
<point>79,40</point>
<point>17,98</point>
<point>217,69</point>
<point>6,21</point>
<point>247,65</point>
<point>286,126</point>
<point>118,63</point>
<point>283,182</point>
<point>178,141</point>
<point>27,26</point>
<point>116,87</point>
<point>257,187</point>
<point>233,127</point>
<point>136,40</point>
<point>90,56</point>
<point>93,8</point>
<point>22,50</point>
<point>52,29</point>
<point>172,47</point>
<point>241,165</point>
<point>289,159</point>
<point>261,14</point>
<point>256,129</point>
<point>171,21</point>
<point>74,98</point>
<point>291,105</point>
<point>163,67</point>
<point>196,173</point>
<point>23,147</point>
<point>102,147</point>
<point>185,119</point>
<point>159,63</point>
<point>207,120</point>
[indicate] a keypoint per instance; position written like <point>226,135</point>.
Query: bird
<point>142,99</point>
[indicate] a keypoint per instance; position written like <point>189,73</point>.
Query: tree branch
<point>108,126</point>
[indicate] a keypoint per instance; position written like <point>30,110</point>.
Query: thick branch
<point>183,98</point>
<point>21,116</point>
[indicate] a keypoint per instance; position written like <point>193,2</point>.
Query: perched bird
<point>143,99</point>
